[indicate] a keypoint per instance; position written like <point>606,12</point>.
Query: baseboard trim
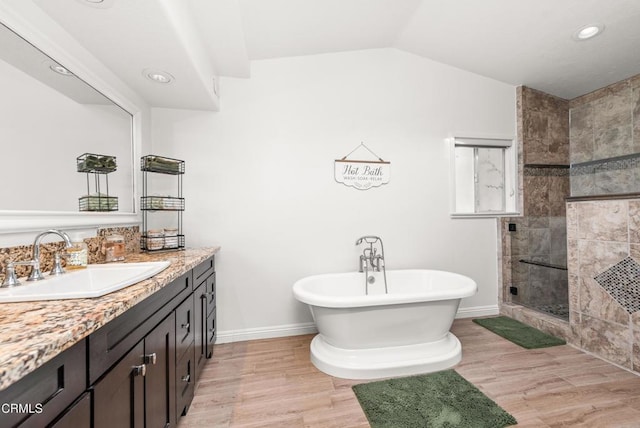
<point>266,332</point>
<point>478,311</point>
<point>241,335</point>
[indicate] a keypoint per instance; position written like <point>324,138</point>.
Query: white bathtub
<point>381,335</point>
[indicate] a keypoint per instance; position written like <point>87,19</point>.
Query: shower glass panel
<point>539,264</point>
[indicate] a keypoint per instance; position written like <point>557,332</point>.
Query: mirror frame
<point>41,31</point>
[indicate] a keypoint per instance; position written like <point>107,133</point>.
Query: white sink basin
<point>94,281</point>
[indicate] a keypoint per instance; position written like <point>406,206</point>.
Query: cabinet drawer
<point>200,342</point>
<point>78,415</point>
<point>185,326</point>
<point>203,270</point>
<point>109,343</point>
<point>185,382</point>
<point>212,333</point>
<point>46,392</point>
<point>211,293</point>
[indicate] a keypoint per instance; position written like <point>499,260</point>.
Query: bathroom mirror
<point>49,117</point>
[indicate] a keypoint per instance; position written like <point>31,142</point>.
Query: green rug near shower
<point>439,400</point>
<point>519,333</point>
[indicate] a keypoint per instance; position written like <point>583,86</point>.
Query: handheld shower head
<point>369,239</point>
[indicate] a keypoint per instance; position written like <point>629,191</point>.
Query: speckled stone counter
<point>31,333</point>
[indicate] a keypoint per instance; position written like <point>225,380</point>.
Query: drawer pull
<point>186,378</point>
<point>150,358</point>
<point>185,326</point>
<point>140,370</point>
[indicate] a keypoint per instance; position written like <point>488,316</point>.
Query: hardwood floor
<point>271,383</point>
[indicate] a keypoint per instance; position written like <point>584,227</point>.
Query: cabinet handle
<point>186,326</point>
<point>186,378</point>
<point>150,358</point>
<point>140,370</point>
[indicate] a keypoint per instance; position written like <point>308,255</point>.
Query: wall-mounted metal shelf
<point>96,166</point>
<point>153,240</point>
<point>162,165</point>
<point>161,203</point>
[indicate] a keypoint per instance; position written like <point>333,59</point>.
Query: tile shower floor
<point>271,383</point>
<point>559,310</point>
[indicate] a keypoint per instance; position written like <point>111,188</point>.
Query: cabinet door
<point>200,319</point>
<point>160,360</point>
<point>118,398</point>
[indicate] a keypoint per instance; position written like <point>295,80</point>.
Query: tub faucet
<point>370,260</point>
<point>370,257</point>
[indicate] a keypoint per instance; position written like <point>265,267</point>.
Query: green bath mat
<point>436,400</point>
<point>519,333</point>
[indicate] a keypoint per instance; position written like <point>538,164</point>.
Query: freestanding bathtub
<point>366,336</point>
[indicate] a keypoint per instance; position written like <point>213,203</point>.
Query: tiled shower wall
<point>605,140</point>
<point>603,236</point>
<point>543,135</point>
<point>604,285</point>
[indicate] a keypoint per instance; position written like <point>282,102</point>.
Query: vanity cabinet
<point>138,370</point>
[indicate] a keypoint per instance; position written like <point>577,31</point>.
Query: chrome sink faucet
<point>10,278</point>
<point>370,259</point>
<point>36,273</point>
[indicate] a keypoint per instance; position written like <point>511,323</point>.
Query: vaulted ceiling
<point>526,42</point>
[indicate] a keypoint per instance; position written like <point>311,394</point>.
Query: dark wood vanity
<point>139,369</point>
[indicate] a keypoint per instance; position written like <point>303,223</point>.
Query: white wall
<point>259,176</point>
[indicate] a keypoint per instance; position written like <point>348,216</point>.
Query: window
<point>484,177</point>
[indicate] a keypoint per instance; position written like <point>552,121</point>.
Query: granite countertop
<point>32,333</point>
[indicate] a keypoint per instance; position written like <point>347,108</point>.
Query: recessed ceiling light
<point>60,70</point>
<point>157,76</point>
<point>588,31</point>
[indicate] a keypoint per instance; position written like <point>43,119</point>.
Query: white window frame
<point>510,195</point>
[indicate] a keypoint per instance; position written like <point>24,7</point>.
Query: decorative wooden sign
<point>362,174</point>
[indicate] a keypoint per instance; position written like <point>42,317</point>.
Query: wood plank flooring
<point>271,383</point>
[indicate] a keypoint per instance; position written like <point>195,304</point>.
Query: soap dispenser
<point>77,255</point>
